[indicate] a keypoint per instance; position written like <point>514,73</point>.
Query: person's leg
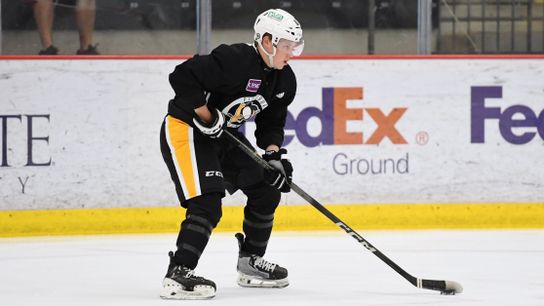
<point>262,201</point>
<point>85,15</point>
<point>202,216</point>
<point>253,269</point>
<point>185,152</point>
<point>44,14</point>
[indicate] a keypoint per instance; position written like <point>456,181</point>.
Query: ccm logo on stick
<point>356,236</point>
<point>515,116</point>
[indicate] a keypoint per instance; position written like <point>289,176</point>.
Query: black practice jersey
<point>235,80</point>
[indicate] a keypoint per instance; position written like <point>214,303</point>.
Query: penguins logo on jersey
<point>243,108</point>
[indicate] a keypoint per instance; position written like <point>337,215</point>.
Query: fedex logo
<point>525,117</point>
<point>334,116</point>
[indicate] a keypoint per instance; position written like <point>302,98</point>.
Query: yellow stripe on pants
<point>180,145</point>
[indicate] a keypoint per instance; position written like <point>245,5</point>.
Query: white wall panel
<point>95,127</point>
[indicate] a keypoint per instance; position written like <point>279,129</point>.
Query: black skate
<point>180,283</point>
<point>255,271</point>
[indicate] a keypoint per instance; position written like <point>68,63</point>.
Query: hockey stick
<point>444,286</point>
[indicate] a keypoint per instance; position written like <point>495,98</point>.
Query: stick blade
<point>445,287</point>
<point>452,288</point>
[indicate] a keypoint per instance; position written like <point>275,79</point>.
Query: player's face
<point>285,50</point>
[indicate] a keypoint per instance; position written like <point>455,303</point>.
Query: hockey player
<point>221,91</point>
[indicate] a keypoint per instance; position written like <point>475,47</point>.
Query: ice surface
<point>325,268</point>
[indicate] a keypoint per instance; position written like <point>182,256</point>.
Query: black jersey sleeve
<point>271,122</point>
<point>217,72</point>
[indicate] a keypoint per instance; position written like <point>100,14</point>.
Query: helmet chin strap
<point>270,56</point>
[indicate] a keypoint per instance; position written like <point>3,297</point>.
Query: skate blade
<point>174,291</point>
<point>249,281</point>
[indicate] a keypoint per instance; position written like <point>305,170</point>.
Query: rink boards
<point>287,218</point>
<point>387,143</point>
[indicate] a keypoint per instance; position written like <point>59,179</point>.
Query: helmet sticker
<point>275,15</point>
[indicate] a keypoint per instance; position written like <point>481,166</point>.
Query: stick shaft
<point>420,283</point>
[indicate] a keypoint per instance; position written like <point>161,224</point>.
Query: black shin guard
<point>203,214</point>
<point>259,217</point>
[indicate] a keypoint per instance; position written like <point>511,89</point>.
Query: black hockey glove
<point>282,175</point>
<point>214,129</point>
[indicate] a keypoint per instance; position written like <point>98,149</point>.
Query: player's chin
<point>282,65</point>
